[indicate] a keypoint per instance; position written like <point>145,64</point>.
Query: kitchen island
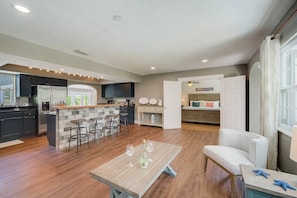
<point>60,129</point>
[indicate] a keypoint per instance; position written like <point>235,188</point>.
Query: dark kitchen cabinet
<point>15,124</point>
<point>37,80</point>
<point>108,91</point>
<point>27,81</point>
<point>124,90</point>
<point>11,125</point>
<point>25,85</point>
<point>118,90</point>
<point>30,122</point>
<point>129,90</point>
<point>58,82</point>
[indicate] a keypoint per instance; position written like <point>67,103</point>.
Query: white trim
<point>285,130</point>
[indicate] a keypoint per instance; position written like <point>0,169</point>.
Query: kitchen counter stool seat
<point>96,128</point>
<point>81,133</point>
<point>124,122</point>
<point>124,118</point>
<point>112,124</point>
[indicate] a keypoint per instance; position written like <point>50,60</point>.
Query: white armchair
<point>237,147</point>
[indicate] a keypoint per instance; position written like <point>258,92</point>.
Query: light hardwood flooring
<point>34,169</point>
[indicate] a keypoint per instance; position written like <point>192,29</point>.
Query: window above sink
<point>7,89</point>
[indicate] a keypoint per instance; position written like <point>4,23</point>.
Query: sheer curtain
<point>270,60</point>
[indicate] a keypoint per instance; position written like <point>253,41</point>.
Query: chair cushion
<point>228,157</point>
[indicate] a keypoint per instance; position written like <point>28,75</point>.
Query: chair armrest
<point>258,148</point>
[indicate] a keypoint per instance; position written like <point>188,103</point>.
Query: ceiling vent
<point>80,52</point>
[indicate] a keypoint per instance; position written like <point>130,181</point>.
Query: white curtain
<point>270,61</point>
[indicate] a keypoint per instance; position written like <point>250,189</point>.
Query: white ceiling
<point>170,35</point>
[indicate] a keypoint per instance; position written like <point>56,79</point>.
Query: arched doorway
<point>79,94</point>
<point>254,98</point>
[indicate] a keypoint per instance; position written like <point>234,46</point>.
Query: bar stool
<point>124,118</point>
<point>96,128</point>
<point>111,124</point>
<point>79,133</point>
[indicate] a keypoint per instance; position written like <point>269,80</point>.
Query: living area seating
<point>237,147</point>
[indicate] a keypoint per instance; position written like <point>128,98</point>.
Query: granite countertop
<point>88,106</point>
<point>14,109</point>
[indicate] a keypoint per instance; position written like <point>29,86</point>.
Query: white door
<point>233,103</point>
<point>172,105</point>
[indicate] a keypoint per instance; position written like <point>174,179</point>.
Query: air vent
<point>81,52</point>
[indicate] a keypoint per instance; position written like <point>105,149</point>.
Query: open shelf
<point>150,115</point>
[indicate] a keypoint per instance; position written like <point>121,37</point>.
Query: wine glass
<point>150,148</point>
<point>130,151</point>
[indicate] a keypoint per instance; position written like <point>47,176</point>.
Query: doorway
<point>206,87</point>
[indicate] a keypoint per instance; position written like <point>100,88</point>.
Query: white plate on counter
<point>153,101</point>
<point>143,100</point>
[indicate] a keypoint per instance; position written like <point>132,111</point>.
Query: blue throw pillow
<point>195,104</point>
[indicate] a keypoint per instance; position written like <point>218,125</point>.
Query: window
<point>7,89</point>
<point>288,86</point>
<point>78,98</point>
<point>79,95</point>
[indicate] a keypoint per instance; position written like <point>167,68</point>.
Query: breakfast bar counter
<point>64,115</point>
<point>87,106</point>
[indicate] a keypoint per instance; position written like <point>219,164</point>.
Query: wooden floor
<point>34,169</point>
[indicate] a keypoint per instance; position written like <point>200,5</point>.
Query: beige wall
<point>152,85</point>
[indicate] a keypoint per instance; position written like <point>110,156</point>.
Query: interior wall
<point>152,85</point>
<point>284,163</point>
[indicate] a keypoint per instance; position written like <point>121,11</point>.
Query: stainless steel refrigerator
<point>45,98</point>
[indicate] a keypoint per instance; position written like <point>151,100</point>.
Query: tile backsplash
<point>22,101</point>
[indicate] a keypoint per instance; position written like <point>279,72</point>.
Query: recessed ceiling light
<point>22,9</point>
<point>153,68</point>
<point>204,61</point>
